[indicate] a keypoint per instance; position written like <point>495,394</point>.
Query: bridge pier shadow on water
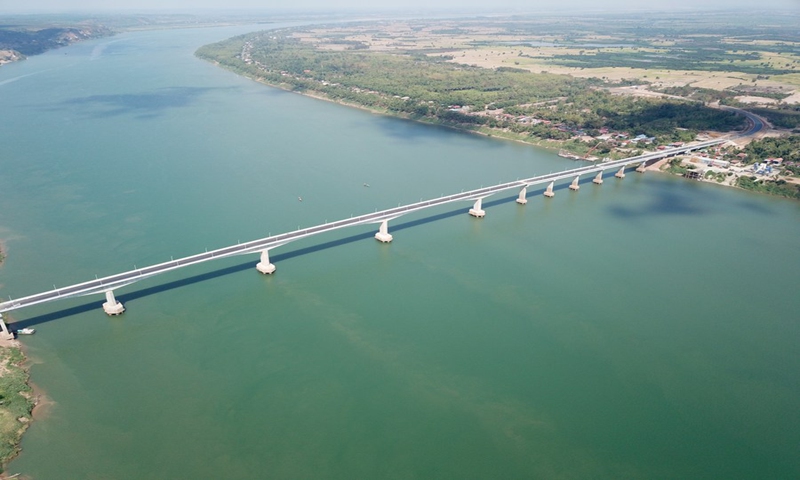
<point>90,305</point>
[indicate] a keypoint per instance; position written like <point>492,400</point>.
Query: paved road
<point>126,278</point>
<point>756,122</point>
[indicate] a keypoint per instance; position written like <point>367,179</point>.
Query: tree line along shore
<point>584,118</point>
<point>19,42</point>
<point>504,101</point>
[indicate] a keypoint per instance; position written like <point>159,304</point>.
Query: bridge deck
<point>126,278</point>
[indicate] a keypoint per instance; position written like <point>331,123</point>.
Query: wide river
<point>646,328</point>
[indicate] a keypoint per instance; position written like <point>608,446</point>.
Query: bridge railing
<point>119,280</point>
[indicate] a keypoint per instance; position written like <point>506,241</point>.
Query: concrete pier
<point>264,266</point>
<point>621,173</point>
<point>4,333</point>
<point>549,190</point>
<point>476,210</point>
<point>522,194</point>
<point>383,233</point>
<point>642,167</point>
<point>106,284</point>
<point>112,306</point>
<point>574,185</point>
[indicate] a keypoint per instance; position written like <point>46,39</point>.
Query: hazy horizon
<point>162,6</point>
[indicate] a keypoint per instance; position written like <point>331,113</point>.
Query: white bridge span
<point>107,285</point>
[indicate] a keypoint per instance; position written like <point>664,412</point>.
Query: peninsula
<point>22,36</point>
<point>20,41</point>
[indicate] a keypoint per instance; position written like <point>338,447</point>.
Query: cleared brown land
<point>493,44</point>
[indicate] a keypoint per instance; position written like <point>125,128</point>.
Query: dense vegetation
<point>15,402</point>
<point>781,188</point>
<point>593,109</point>
<point>419,77</point>
<point>787,148</point>
<point>32,41</point>
<point>675,59</point>
<point>783,118</point>
<point>428,87</point>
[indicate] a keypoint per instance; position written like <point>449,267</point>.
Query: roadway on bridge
<point>126,278</point>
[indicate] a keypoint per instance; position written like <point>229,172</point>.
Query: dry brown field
<point>491,45</point>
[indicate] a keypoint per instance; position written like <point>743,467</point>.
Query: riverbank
<point>16,395</point>
<point>8,56</point>
<point>551,145</point>
<point>20,41</point>
<point>403,100</point>
<point>711,175</point>
<point>16,400</point>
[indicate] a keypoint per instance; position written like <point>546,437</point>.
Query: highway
<point>756,122</point>
<point>119,280</point>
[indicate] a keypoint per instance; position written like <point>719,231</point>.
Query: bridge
<point>107,285</point>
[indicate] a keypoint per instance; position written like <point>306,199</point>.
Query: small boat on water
<point>366,184</point>
<point>299,199</point>
<point>26,331</point>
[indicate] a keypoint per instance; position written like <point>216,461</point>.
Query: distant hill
<point>31,41</point>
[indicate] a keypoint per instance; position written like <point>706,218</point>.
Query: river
<point>646,328</point>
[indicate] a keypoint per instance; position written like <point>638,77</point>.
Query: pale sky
<point>43,6</point>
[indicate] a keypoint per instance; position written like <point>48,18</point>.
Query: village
<point>725,164</point>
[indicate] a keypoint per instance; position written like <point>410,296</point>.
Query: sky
<point>44,6</point>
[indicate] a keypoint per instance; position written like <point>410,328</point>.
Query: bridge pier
<point>383,234</point>
<point>549,190</point>
<point>112,306</point>
<point>5,334</point>
<point>522,194</point>
<point>574,185</point>
<point>642,167</point>
<point>476,210</point>
<point>621,173</point>
<point>264,266</point>
<point>599,178</point>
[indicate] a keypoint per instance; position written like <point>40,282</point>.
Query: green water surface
<point>646,328</point>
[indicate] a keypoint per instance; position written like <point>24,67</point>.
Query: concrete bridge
<point>107,285</point>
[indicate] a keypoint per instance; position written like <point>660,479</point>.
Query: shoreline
<point>20,399</point>
<point>554,147</point>
<point>8,55</point>
<point>659,167</point>
<point>321,96</point>
<point>656,167</point>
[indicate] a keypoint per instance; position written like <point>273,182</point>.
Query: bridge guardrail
<point>120,280</point>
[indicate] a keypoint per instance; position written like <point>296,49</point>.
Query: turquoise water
<point>645,328</point>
